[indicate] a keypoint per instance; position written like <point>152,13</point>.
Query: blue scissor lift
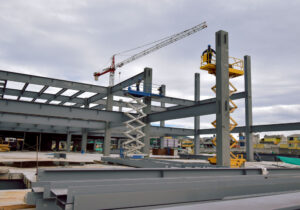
<point>131,148</point>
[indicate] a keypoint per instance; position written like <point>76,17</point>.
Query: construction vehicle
<point>4,146</point>
<point>156,46</point>
<point>236,69</point>
<point>187,147</point>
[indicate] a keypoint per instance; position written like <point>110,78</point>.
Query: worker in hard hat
<point>208,52</point>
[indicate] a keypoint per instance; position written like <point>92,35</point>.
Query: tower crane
<point>161,43</point>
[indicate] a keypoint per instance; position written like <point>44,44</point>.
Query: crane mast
<point>169,40</point>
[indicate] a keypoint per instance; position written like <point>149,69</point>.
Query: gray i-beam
<point>162,123</point>
<point>69,137</point>
<point>107,137</point>
<point>84,140</point>
<point>147,110</point>
<point>222,89</point>
<point>197,118</point>
<point>248,108</point>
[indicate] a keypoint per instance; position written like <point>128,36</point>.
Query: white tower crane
<point>161,43</point>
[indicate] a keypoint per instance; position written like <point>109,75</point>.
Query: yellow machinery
<point>236,69</point>
<point>187,145</point>
<point>4,147</point>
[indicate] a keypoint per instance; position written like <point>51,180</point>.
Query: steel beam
<point>189,111</point>
<point>69,139</point>
<point>127,83</point>
<point>56,95</point>
<point>84,136</point>
<point>23,90</point>
<point>49,121</point>
<point>27,78</point>
<point>107,137</point>
<point>258,128</point>
<point>162,123</point>
<point>197,118</point>
<point>147,110</point>
<point>61,174</point>
<point>248,109</point>
<point>166,131</point>
<point>276,127</point>
<point>222,93</point>
<point>40,93</point>
<point>47,110</point>
<point>204,107</point>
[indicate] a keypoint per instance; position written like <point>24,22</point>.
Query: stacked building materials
<point>125,188</point>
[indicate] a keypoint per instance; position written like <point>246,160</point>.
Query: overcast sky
<point>70,39</point>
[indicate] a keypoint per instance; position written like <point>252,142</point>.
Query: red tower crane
<point>161,43</point>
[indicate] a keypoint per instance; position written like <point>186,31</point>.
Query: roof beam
<point>27,78</point>
<point>56,95</point>
<point>3,84</point>
<point>40,93</point>
<point>73,99</point>
<point>50,121</point>
<point>23,90</point>
<point>48,110</point>
<point>128,82</point>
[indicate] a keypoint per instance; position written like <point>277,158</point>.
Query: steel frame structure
<point>44,111</point>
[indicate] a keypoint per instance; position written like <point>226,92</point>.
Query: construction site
<point>86,146</point>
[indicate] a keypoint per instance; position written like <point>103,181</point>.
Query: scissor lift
<point>133,145</point>
<point>236,69</point>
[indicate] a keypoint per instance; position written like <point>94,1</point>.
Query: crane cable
<point>142,46</point>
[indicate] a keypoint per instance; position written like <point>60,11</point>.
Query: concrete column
<point>162,123</point>
<point>147,110</point>
<point>248,108</point>
<point>222,89</point>
<point>197,118</point>
<point>69,138</point>
<point>107,137</point>
<point>84,140</point>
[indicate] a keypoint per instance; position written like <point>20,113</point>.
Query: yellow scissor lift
<point>236,69</point>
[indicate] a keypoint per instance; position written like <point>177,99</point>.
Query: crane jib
<point>167,41</point>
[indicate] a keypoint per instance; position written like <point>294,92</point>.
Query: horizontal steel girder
<point>78,101</point>
<point>204,107</point>
<point>50,121</point>
<point>259,128</point>
<point>27,78</point>
<point>47,110</point>
<point>62,174</point>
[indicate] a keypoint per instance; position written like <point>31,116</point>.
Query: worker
<point>209,52</point>
<point>160,90</point>
<point>138,85</point>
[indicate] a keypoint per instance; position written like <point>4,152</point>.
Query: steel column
<point>162,123</point>
<point>69,138</point>
<point>107,139</point>
<point>222,93</point>
<point>147,110</point>
<point>84,140</point>
<point>197,118</point>
<point>248,108</point>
